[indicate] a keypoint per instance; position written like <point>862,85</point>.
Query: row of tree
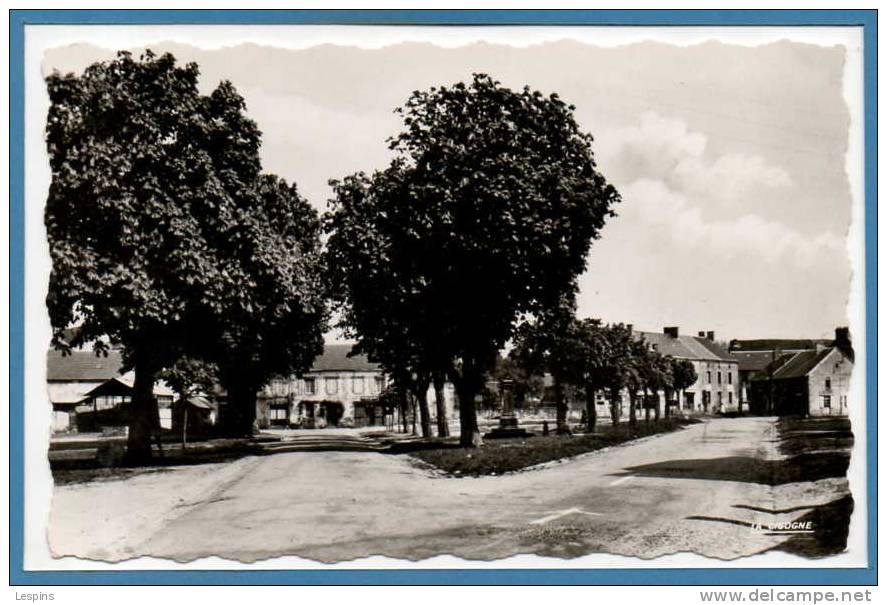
<point>593,358</point>
<point>168,240</point>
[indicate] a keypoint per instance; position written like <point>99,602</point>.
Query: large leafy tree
<point>270,321</point>
<point>635,370</point>
<point>683,374</point>
<point>374,281</point>
<point>554,343</point>
<point>658,377</point>
<point>618,365</point>
<point>594,361</point>
<point>486,214</point>
<point>153,186</point>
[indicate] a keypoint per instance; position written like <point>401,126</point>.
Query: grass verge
<point>507,455</point>
<point>80,464</point>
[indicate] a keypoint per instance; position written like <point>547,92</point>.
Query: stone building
<point>812,382</point>
<point>716,389</point>
<point>339,390</point>
<point>755,355</point>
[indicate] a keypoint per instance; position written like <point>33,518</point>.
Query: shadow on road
<point>815,448</point>
<point>831,525</point>
<point>747,469</point>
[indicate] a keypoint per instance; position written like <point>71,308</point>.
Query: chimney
<point>710,335</point>
<point>701,334</point>
<point>843,343</point>
<point>671,331</point>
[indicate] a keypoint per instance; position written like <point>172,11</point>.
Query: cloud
<point>731,178</point>
<point>671,182</point>
<point>665,148</point>
<point>652,203</point>
<point>653,148</point>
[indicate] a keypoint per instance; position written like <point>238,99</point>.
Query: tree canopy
<point>163,235</point>
<point>486,214</point>
<point>145,170</point>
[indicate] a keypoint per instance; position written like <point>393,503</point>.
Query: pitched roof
<point>793,365</point>
<point>200,402</point>
<point>82,366</point>
<point>686,347</point>
<point>753,361</point>
<point>776,344</point>
<point>124,385</point>
<point>335,358</point>
<point>714,348</point>
<point>68,393</point>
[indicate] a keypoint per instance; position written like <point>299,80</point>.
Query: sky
<point>729,159</point>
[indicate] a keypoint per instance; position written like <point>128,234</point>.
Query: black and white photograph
<point>324,296</point>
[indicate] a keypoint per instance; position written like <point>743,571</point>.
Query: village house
<point>340,390</point>
<point>86,389</point>
<point>812,382</point>
<point>716,389</point>
<point>755,355</point>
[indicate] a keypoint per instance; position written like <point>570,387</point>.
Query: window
<point>357,385</point>
<point>826,401</point>
<point>310,386</point>
<point>729,377</point>
<point>828,383</point>
<point>730,397</point>
<point>278,412</point>
<point>719,378</point>
<point>708,376</point>
<point>331,385</point>
<point>380,384</point>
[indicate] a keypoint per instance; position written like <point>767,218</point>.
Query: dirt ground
<point>705,488</point>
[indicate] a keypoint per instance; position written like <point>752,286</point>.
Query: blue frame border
<point>867,19</point>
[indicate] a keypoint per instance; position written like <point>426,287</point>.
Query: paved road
<point>692,490</point>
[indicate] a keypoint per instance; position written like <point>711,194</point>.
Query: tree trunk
<point>443,427</point>
<point>241,409</point>
<point>467,387</point>
<point>632,412</point>
<point>144,417</point>
<point>561,408</point>
<point>424,412</point>
<point>667,393</point>
<point>413,415</point>
<point>185,426</point>
<point>404,405</point>
<point>646,406</point>
<point>656,409</point>
<point>590,408</point>
<point>614,406</point>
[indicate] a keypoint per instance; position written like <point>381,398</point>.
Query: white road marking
<point>622,480</point>
<point>563,513</point>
